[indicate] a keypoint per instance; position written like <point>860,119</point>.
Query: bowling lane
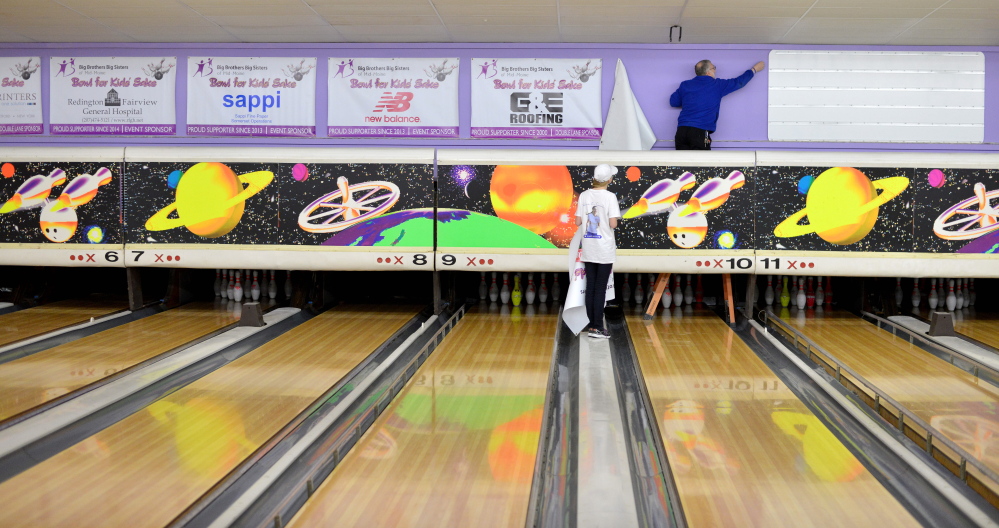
<point>982,326</point>
<point>948,398</point>
<point>33,380</point>
<point>743,449</point>
<point>31,322</point>
<point>148,468</point>
<point>457,446</point>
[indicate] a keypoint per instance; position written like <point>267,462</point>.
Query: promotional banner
<point>251,96</point>
<point>393,97</point>
<point>132,96</point>
<point>536,98</point>
<point>20,95</point>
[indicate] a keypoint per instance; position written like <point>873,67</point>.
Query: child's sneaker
<point>599,334</point>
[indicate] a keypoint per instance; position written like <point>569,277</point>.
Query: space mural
<point>56,203</point>
<point>534,206</point>
<point>855,209</point>
<point>279,204</point>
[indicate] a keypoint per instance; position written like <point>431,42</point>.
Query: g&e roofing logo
<point>204,68</point>
<point>536,108</point>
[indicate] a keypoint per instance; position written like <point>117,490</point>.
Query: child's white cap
<point>603,173</point>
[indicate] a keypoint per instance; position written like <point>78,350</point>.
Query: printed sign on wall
<point>536,98</point>
<point>393,97</point>
<point>20,95</point>
<point>251,96</point>
<point>112,95</point>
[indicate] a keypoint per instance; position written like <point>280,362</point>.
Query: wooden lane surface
<point>743,449</point>
<point>148,468</point>
<point>948,398</point>
<point>457,446</point>
<point>38,378</point>
<point>31,322</point>
<point>982,326</point>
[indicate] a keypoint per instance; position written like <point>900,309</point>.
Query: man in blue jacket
<point>699,100</point>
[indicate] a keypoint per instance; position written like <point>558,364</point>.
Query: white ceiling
<point>890,22</point>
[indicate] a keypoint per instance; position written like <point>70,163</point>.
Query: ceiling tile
<point>616,21</point>
<point>755,4</point>
<point>739,22</point>
<point>873,13</point>
<point>374,10</point>
<point>957,25</point>
<point>872,25</point>
<point>130,22</point>
<point>966,13</point>
<point>907,40</point>
<point>526,13</point>
<point>277,20</point>
<point>518,33</point>
<point>883,4</point>
<point>499,20</point>
<point>383,20</point>
<point>255,10</point>
<point>970,4</point>
<point>395,33</point>
<point>625,10</point>
<point>747,12</point>
<point>649,4</point>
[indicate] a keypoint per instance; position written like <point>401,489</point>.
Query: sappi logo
<point>394,102</point>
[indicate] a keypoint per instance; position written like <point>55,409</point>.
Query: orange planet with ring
<point>531,196</point>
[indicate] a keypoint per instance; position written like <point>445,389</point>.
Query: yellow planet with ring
<point>842,206</point>
<point>209,200</point>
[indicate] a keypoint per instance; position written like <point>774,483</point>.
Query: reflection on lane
<point>951,400</point>
<point>457,446</point>
<point>23,324</point>
<point>743,449</point>
<point>148,468</point>
<point>38,378</point>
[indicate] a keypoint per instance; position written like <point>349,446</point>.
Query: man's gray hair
<point>702,67</point>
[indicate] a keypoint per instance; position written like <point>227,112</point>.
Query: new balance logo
<point>394,102</point>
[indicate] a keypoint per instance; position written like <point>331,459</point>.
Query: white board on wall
<point>876,96</point>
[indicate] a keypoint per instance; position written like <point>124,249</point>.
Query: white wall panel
<point>882,96</point>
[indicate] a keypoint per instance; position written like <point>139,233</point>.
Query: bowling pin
<point>677,293</point>
<point>505,290</point>
<point>915,293</point>
<point>493,290</point>
<point>531,292</point>
<point>960,294</point>
<point>217,287</point>
<point>272,286</point>
<point>967,293</point>
<point>516,295</point>
<point>255,288</point>
<point>768,294</point>
<point>688,292</point>
<point>246,282</point>
<point>951,298</point>
<point>810,294</point>
<point>263,283</point>
<point>972,295</point>
<point>287,285</point>
<point>543,289</point>
<point>785,296</point>
<point>699,290</point>
<point>224,285</point>
<point>639,291</point>
<point>801,297</point>
<point>667,298</point>
<point>932,299</point>
<point>820,293</point>
<point>231,285</point>
<point>483,289</point>
<point>237,289</point>
<point>625,288</point>
<point>829,292</point>
<point>556,288</point>
<point>898,291</point>
<point>794,289</point>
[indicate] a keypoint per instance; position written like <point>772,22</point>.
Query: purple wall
<point>654,71</point>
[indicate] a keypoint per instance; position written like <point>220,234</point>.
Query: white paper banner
<point>251,96</point>
<point>393,97</point>
<point>132,96</point>
<point>536,98</point>
<point>20,95</point>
